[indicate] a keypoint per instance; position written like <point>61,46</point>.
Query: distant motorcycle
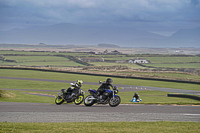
<point>77,98</point>
<point>108,96</point>
<point>136,100</point>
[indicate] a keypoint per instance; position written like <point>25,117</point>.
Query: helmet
<point>136,93</point>
<point>79,83</point>
<point>109,81</point>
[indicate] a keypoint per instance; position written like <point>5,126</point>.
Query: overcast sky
<point>163,16</point>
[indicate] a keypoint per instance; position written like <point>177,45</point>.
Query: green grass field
<point>165,75</point>
<point>130,65</point>
<point>101,127</point>
<point>172,59</point>
<point>39,53</point>
<point>147,96</point>
<point>89,78</point>
<point>39,61</point>
<point>44,63</point>
<point>184,65</point>
<point>36,58</point>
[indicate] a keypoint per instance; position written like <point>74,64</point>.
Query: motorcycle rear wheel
<point>59,100</point>
<point>79,99</point>
<point>113,102</point>
<point>89,102</point>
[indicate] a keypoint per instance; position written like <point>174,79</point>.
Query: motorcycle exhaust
<point>91,98</point>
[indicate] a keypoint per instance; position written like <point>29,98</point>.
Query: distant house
<point>92,59</point>
<point>115,52</point>
<point>138,60</point>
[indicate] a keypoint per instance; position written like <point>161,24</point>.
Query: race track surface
<point>41,112</point>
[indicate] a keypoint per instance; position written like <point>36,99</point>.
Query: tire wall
<point>184,96</point>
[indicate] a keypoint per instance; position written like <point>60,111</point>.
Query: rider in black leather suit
<point>105,85</point>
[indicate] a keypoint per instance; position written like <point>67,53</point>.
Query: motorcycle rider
<point>136,96</point>
<point>76,85</point>
<point>105,85</point>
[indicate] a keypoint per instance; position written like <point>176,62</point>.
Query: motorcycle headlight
<point>116,91</point>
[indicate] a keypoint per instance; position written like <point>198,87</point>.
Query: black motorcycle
<point>77,98</point>
<point>108,96</point>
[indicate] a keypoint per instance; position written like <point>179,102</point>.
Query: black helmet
<point>109,81</point>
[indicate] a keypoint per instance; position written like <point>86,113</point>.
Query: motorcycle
<point>77,98</point>
<point>108,96</point>
<point>136,100</point>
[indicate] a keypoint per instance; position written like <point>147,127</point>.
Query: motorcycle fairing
<point>91,90</point>
<point>108,90</point>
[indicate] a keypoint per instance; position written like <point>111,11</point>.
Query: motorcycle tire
<point>79,99</point>
<point>59,100</point>
<point>114,102</point>
<point>89,102</point>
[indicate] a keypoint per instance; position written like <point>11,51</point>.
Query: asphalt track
<point>43,112</point>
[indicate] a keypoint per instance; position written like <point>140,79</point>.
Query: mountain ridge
<point>67,33</point>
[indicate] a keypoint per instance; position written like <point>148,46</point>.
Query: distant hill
<point>187,37</point>
<point>108,45</point>
<point>70,34</point>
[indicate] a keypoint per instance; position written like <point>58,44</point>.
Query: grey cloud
<point>195,2</point>
<point>97,11</point>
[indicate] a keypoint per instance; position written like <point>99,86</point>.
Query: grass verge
<point>89,78</point>
<point>148,97</point>
<point>102,127</point>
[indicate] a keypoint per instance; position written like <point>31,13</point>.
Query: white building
<point>138,60</point>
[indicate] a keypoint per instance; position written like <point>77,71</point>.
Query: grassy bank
<point>89,78</point>
<point>101,127</point>
<point>148,97</point>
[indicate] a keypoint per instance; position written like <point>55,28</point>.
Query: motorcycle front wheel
<point>113,102</point>
<point>89,101</point>
<point>79,99</point>
<point>59,100</point>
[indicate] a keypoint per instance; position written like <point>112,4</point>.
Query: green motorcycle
<point>77,98</point>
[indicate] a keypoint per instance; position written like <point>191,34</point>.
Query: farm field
<point>161,66</point>
<point>49,63</point>
<point>163,75</point>
<point>181,65</point>
<point>61,61</point>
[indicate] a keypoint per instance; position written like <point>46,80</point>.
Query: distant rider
<point>136,96</point>
<point>76,85</point>
<point>105,85</point>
